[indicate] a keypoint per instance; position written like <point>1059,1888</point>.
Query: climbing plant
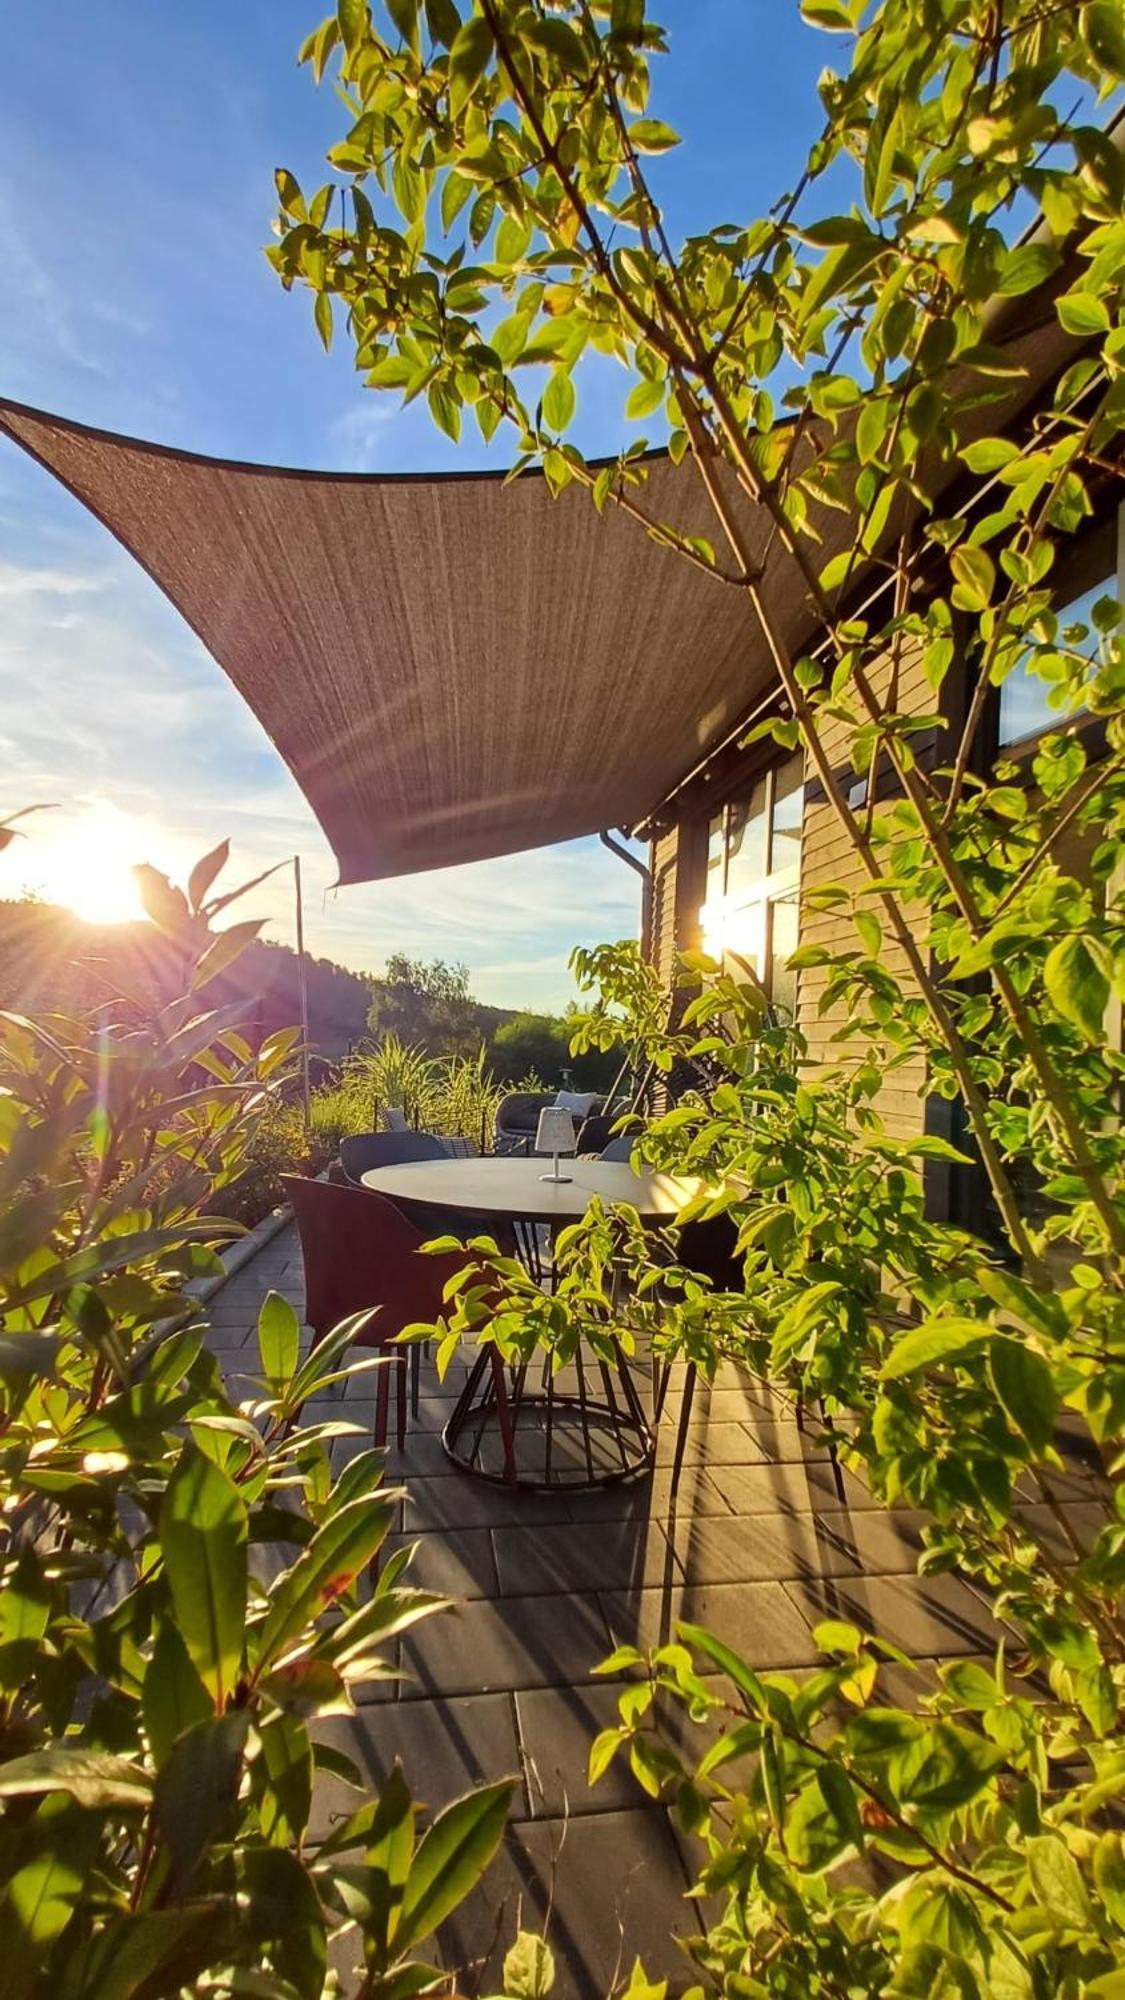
<point>893,388</point>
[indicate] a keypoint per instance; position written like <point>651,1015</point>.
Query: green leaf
<point>651,135</point>
<point>352,17</point>
<point>322,315</point>
<point>404,14</point>
<point>203,1534</point>
<point>926,1346</point>
<point>870,930</point>
<point>89,1777</point>
<point>1028,265</point>
<point>1057,1880</point>
<point>443,21</point>
<point>728,1661</point>
<point>1103,28</point>
<point>225,948</point>
<point>552,37</point>
<point>468,60</point>
<point>1109,1875</point>
<point>558,401</point>
<point>279,1341</point>
<point>644,399</point>
<point>1026,1388</point>
<point>1078,985</point>
<point>1083,313</point>
<point>173,1698</point>
<point>206,872</point>
<point>196,1792</point>
<point>285,1770</point>
<point>976,578</point>
<point>327,1568</point>
<point>945,1768</point>
<point>529,1968</point>
<point>989,454</point>
<point>451,1858</point>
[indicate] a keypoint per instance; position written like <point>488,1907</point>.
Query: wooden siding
<point>827,857</point>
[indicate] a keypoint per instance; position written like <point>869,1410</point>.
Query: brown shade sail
<point>454,667</point>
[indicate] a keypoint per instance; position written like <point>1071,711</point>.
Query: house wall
<point>678,861</point>
<point>827,857</point>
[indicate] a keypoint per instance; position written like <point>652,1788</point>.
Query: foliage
<point>541,1044</point>
<point>999,1885</point>
<point>846,389</point>
<point>425,1004</point>
<point>184,1586</point>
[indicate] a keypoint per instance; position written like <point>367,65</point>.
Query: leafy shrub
<point>186,1588</point>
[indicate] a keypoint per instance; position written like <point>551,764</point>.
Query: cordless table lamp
<point>555,1135</point>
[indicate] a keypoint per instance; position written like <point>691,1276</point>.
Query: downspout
<point>638,867</point>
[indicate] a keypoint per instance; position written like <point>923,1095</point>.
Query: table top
<point>514,1187</point>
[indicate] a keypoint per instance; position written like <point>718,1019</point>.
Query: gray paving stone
<point>517,1643</point>
<point>444,1747</point>
<point>759,1547</point>
<point>557,1727</point>
<point>788,1489</point>
<point>933,1617</point>
<point>465,1502</point>
<point>758,1619</point>
<point>457,1565</point>
<point>561,1873</point>
<point>582,1556</point>
<point>653,1497</point>
<point>710,1444</point>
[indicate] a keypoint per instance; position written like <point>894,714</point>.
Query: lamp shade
<point>556,1131</point>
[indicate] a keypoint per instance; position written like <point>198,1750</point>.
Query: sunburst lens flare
<point>85,862</point>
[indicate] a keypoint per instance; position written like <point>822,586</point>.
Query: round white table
<point>521,1190</point>
<point>592,1429</point>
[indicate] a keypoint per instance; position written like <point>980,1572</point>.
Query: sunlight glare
<point>86,862</point>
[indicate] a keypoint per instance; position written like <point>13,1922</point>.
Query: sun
<point>85,862</point>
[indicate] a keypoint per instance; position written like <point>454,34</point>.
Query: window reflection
<point>1026,708</point>
<point>753,874</point>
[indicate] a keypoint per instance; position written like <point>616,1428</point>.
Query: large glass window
<point>753,878</point>
<point>1026,708</point>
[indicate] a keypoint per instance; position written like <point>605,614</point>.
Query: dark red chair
<point>359,1251</point>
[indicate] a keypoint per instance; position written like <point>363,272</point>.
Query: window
<point>1026,709</point>
<point>753,878</point>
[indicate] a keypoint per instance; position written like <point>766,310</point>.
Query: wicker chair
<point>517,1119</point>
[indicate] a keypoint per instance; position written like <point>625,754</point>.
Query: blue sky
<point>137,145</point>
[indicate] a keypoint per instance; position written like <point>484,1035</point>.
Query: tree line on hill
<point>54,961</point>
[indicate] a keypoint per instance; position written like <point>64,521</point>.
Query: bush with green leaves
<point>186,1589</point>
<point>845,355</point>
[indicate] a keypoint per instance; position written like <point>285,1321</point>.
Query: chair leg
<point>416,1376</point>
<point>400,1398</point>
<point>382,1398</point>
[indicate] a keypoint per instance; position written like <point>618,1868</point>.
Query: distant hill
<point>50,960</point>
<point>53,961</point>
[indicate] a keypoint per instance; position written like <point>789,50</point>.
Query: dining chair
<point>363,1150</point>
<point>360,1251</point>
<point>620,1148</point>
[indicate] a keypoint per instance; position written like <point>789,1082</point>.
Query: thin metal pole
<point>303,991</point>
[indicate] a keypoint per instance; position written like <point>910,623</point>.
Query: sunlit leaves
<point>203,1532</point>
<point>1076,977</point>
<point>559,401</point>
<point>469,57</point>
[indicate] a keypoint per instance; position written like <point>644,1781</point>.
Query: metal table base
<point>545,1439</point>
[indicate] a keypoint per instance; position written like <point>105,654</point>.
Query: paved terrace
<point>763,1539</point>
